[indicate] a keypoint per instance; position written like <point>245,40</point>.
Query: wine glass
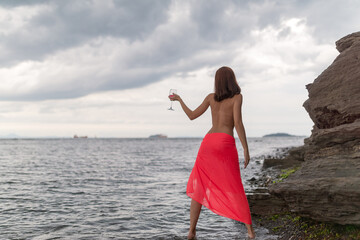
<point>171,94</point>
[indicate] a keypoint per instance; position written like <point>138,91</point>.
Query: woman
<point>215,180</point>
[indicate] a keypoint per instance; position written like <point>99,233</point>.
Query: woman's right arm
<point>198,111</point>
<point>239,126</point>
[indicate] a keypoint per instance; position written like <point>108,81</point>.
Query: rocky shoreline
<point>261,201</point>
<point>272,212</point>
<point>317,186</point>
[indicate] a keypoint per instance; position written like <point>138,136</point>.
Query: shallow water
<point>112,188</point>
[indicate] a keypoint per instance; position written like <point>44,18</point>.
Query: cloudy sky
<point>104,67</point>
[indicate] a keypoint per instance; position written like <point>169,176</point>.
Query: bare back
<point>222,114</point>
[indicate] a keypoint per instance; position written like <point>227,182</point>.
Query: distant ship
<point>158,136</point>
<point>76,136</point>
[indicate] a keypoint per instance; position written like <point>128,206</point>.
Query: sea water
<point>113,188</point>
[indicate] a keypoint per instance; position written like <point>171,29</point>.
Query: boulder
<point>334,95</point>
<point>327,186</point>
<point>281,163</point>
<point>262,203</point>
<point>294,158</point>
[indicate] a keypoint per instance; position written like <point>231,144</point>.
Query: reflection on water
<point>111,188</point>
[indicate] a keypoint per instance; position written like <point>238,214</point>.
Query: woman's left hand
<point>174,97</point>
<point>247,159</point>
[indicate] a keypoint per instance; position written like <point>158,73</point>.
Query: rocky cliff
<point>327,186</point>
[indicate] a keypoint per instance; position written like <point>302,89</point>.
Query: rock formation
<point>327,186</point>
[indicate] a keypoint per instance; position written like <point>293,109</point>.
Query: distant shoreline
<point>281,135</point>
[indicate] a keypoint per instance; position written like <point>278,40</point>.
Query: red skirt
<point>215,179</point>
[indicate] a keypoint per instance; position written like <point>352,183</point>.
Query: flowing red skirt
<point>215,179</point>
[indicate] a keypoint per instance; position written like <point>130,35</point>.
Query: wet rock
<point>296,154</point>
<point>280,163</point>
<point>327,186</point>
<point>252,179</point>
<point>262,203</point>
<point>285,158</point>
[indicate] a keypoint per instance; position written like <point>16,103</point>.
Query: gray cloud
<point>83,47</point>
<point>65,24</point>
<point>11,3</point>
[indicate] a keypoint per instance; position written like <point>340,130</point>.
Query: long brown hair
<point>225,84</point>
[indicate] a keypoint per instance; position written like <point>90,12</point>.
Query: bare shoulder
<point>210,96</point>
<point>238,98</point>
<point>238,101</point>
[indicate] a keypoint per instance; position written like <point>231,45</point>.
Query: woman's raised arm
<point>198,111</point>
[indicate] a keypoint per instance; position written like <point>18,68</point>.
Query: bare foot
<point>251,235</point>
<point>251,232</point>
<point>192,234</point>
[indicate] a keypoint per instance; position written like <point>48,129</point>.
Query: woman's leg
<point>195,209</point>
<point>250,230</point>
